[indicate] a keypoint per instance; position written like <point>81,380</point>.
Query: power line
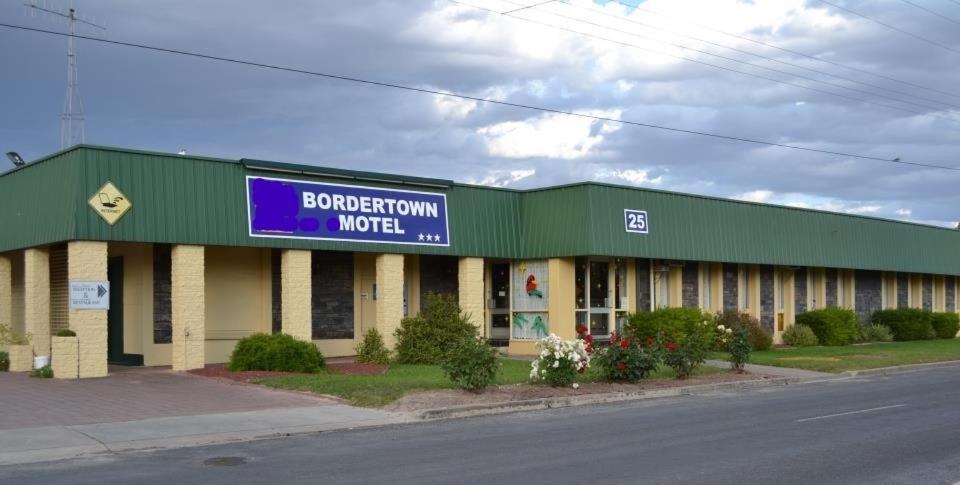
<point>772,59</point>
<point>895,29</point>
<point>897,160</point>
<point>529,6</point>
<point>931,12</point>
<point>648,10</point>
<point>717,66</point>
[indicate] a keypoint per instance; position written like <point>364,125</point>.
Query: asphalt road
<point>900,429</point>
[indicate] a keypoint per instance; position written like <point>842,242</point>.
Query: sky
<point>865,90</point>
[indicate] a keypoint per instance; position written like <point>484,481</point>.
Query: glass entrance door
<point>600,300</point>
<point>499,302</point>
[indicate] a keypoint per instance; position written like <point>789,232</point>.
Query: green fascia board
<point>187,199</point>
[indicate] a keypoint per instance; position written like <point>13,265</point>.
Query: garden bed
<point>406,387</point>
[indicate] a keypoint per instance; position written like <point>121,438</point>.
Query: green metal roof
<point>202,200</point>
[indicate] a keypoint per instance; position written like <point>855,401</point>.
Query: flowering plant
<point>559,361</point>
<point>722,337</point>
<point>625,360</point>
<point>740,349</point>
<point>687,349</point>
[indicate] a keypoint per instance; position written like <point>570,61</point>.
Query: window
<point>706,287</point>
<point>661,280</point>
<point>743,291</point>
<point>530,298</point>
<point>621,290</point>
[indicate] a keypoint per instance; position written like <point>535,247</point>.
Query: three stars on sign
<point>428,237</point>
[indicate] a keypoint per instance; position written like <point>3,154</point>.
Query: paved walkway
<point>131,394</point>
<point>769,370</point>
<point>149,408</point>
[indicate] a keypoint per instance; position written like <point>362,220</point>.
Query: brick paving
<point>131,394</point>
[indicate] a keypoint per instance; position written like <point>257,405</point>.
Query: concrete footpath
<point>29,445</point>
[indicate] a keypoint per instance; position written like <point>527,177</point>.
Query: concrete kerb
<point>899,369</point>
<point>604,398</point>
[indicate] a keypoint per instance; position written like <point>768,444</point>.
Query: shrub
<point>833,326</point>
<point>471,364</point>
<point>625,360</point>
<point>66,333</point>
<point>876,333</point>
<point>428,337</point>
<point>371,349</point>
<point>45,372</point>
<point>760,338</point>
<point>559,361</point>
<point>800,335</point>
<point>946,325</point>
<point>739,348</point>
<point>4,362</point>
<point>279,352</point>
<point>649,326</point>
<point>906,323</point>
<point>687,346</point>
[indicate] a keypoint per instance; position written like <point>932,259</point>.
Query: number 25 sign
<point>636,221</point>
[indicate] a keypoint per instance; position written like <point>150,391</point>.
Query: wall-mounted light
<point>16,159</point>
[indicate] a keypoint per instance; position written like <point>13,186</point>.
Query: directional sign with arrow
<point>89,295</point>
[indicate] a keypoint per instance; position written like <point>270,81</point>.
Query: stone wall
<point>297,288</point>
<point>64,359</point>
<point>36,298</point>
<point>438,274</point>
<point>800,291</point>
<point>87,261</point>
<point>903,290</point>
<point>470,286</point>
<point>276,292</point>
<point>332,295</point>
<point>830,286</point>
<point>767,318</point>
<point>643,285</point>
<point>162,312</point>
<point>731,286</point>
<point>868,296</point>
<point>927,292</point>
<point>6,291</point>
<point>690,284</point>
<point>389,268</point>
<point>188,302</point>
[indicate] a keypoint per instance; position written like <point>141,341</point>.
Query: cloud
<point>630,175</point>
<point>503,178</point>
<point>549,136</point>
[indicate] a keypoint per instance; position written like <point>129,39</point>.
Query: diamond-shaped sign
<point>110,203</point>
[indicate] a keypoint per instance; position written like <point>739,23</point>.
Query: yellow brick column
<point>87,261</point>
<point>561,274</point>
<point>470,290</point>
<point>188,306</point>
<point>6,291</point>
<point>295,293</point>
<point>389,296</point>
<point>36,298</point>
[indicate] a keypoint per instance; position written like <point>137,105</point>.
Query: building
<point>192,254</point>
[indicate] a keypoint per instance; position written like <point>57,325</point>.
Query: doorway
<point>599,298</point>
<point>368,304</point>
<point>115,354</point>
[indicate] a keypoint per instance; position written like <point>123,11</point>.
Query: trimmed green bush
<point>833,326</point>
<point>760,338</point>
<point>800,336</point>
<point>45,372</point>
<point>428,337</point>
<point>876,333</point>
<point>66,333</point>
<point>471,364</point>
<point>739,349</point>
<point>906,323</point>
<point>371,349</point>
<point>946,325</point>
<point>278,352</point>
<point>4,362</point>
<point>646,327</point>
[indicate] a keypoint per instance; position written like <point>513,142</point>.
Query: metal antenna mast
<point>71,121</point>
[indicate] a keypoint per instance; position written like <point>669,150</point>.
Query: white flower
<point>576,386</point>
<point>556,364</point>
<point>729,330</point>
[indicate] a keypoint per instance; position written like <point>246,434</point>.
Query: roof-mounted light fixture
<point>17,160</point>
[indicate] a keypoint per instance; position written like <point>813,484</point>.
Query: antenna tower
<point>71,121</point>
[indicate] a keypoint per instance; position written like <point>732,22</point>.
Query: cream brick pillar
<point>187,299</point>
<point>6,291</point>
<point>471,292</point>
<point>295,293</point>
<point>87,261</point>
<point>389,296</point>
<point>36,298</point>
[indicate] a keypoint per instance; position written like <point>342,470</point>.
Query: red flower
<point>621,365</point>
<point>624,344</point>
<point>581,329</point>
<point>651,341</point>
<point>588,339</point>
<point>672,346</point>
<point>589,348</point>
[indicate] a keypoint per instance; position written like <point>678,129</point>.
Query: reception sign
<point>313,210</point>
